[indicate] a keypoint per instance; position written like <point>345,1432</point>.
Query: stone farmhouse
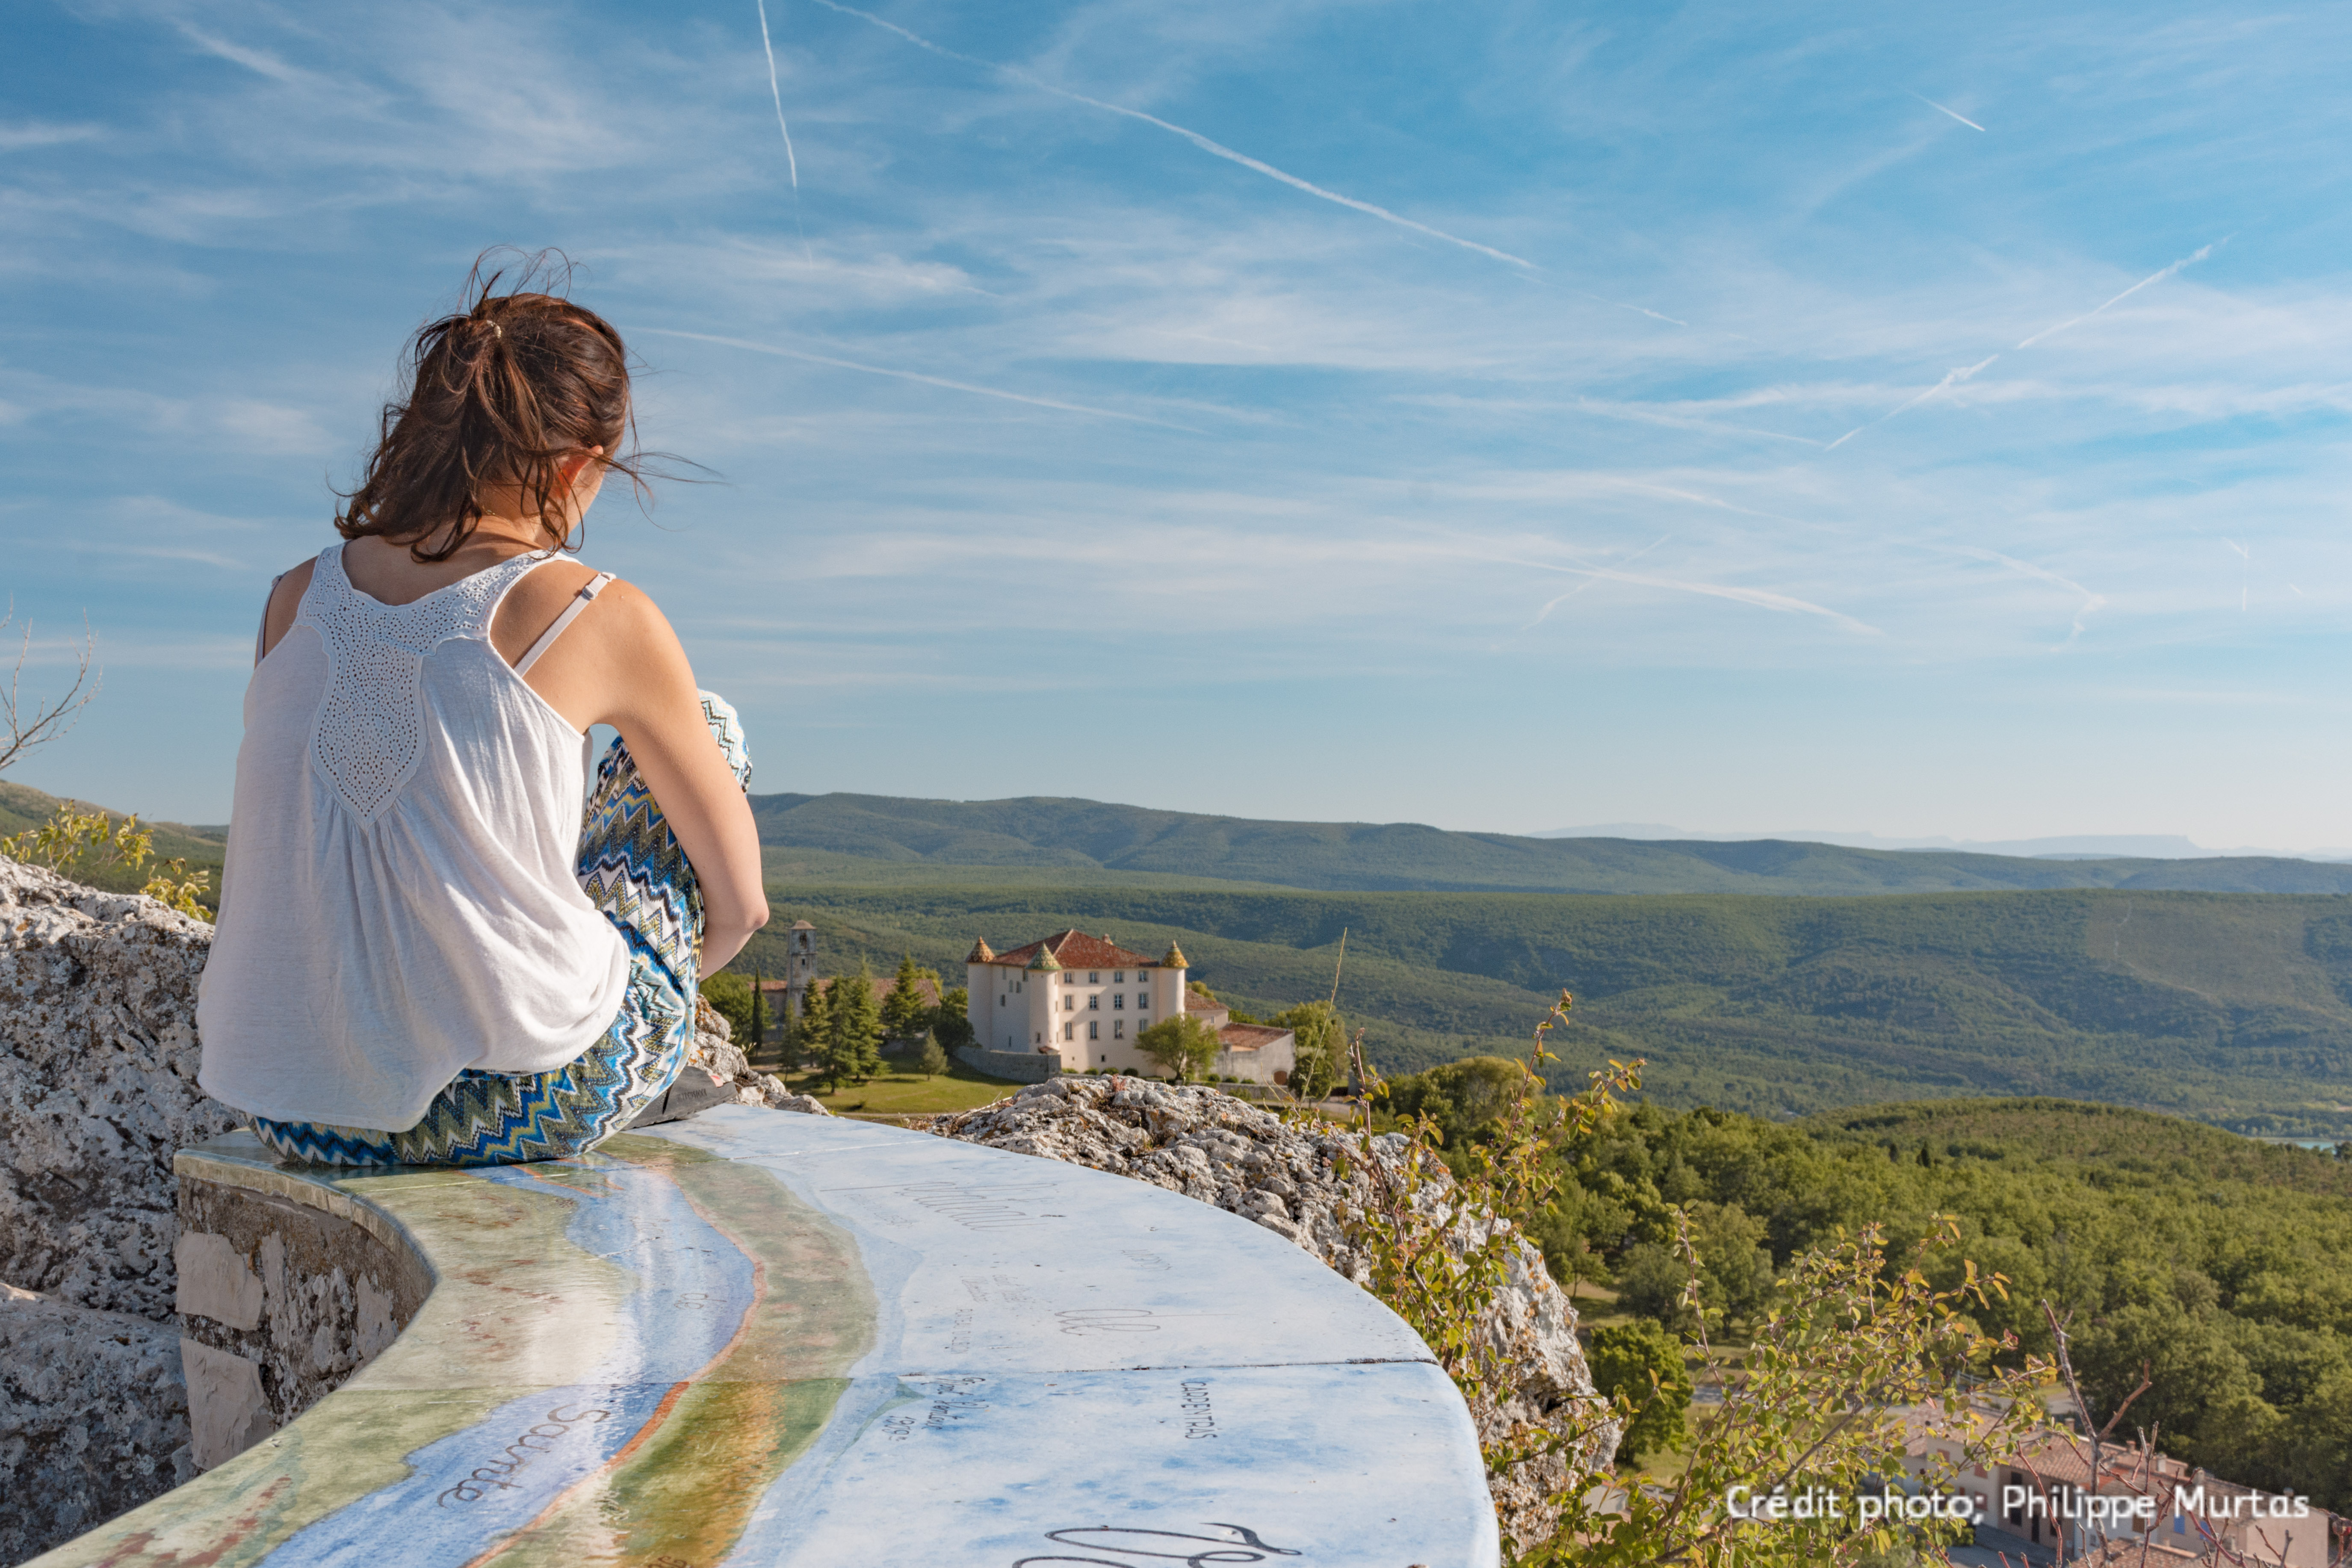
<point>1085,998</point>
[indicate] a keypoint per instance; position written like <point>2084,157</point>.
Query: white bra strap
<point>579,602</point>
<point>261,632</point>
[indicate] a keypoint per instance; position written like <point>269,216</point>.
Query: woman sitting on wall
<point>422,958</point>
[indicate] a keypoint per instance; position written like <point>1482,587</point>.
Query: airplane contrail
<point>2152,278</point>
<point>1760,597</point>
<point>1951,379</point>
<point>2090,601</point>
<point>1953,112</point>
<point>1216,148</point>
<point>916,375</point>
<point>792,164</point>
<point>1559,599</point>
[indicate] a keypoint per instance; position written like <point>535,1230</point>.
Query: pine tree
<point>853,1036</point>
<point>813,1031</point>
<point>903,1009</point>
<point>932,1061</point>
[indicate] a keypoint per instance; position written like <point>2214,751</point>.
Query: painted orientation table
<point>760,1338</point>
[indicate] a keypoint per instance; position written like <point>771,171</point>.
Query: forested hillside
<point>2229,1008</point>
<point>1090,836</point>
<point>2216,1262</point>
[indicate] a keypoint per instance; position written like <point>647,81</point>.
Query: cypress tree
<point>903,1009</point>
<point>812,1034</point>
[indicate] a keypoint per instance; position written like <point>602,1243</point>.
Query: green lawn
<point>906,1093</point>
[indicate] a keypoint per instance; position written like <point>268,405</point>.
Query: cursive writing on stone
<point>492,1474</point>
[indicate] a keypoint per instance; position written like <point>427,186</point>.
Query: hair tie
<point>497,331</point>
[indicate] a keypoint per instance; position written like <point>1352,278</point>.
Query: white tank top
<point>399,901</point>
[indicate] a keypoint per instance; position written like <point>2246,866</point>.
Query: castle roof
<point>801,925</point>
<point>1068,950</point>
<point>1175,959</point>
<point>1250,1036</point>
<point>979,954</point>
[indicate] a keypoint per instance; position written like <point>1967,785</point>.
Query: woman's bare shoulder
<point>285,603</point>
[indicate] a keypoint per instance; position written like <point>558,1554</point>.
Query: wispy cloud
<point>997,391</point>
<point>45,133</point>
<point>1207,145</point>
<point>261,62</point>
<point>2155,277</point>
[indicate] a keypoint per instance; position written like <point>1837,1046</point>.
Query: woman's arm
<point>620,664</point>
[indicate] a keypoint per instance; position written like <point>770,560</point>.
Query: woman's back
<point>408,810</point>
<point>428,928</point>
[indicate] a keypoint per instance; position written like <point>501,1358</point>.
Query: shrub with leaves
<point>1853,1340</point>
<point>74,840</point>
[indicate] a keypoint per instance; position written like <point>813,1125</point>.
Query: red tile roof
<point>1073,950</point>
<point>1250,1036</point>
<point>883,986</point>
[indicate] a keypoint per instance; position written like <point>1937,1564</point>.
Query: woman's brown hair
<point>499,395</point>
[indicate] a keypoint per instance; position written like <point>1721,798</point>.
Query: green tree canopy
<point>1322,1047</point>
<point>1643,1364</point>
<point>730,996</point>
<point>951,1019</point>
<point>1184,1047</point>
<point>932,1061</point>
<point>853,1046</point>
<point>904,1009</point>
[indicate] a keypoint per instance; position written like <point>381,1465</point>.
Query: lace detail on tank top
<point>370,731</point>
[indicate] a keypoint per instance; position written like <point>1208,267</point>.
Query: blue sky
<point>1501,416</point>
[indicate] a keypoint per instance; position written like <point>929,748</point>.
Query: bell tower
<point>800,965</point>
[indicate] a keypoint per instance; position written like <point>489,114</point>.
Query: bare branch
<point>20,735</point>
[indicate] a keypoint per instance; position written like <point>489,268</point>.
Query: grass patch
<point>906,1093</point>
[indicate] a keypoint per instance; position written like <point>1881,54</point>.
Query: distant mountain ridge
<point>1096,836</point>
<point>2065,847</point>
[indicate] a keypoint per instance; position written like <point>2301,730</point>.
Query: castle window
<point>1094,1031</point>
<point>1143,999</point>
<point>1118,1028</point>
<point>1117,1000</point>
<point>1093,977</point>
<point>1119,977</point>
<point>1069,1031</point>
<point>1094,1003</point>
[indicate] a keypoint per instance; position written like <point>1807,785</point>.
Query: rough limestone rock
<point>1286,1176</point>
<point>714,1051</point>
<point>93,1419</point>
<point>98,1089</point>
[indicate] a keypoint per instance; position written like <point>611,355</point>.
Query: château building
<point>1085,998</point>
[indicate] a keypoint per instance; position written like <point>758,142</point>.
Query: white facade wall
<point>1099,1014</point>
<point>1090,1017</point>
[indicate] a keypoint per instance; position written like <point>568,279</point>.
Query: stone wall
<point>1014,1067</point>
<point>281,1302</point>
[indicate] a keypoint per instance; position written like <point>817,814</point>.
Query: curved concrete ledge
<point>767,1338</point>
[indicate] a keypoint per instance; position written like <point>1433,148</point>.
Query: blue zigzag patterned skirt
<point>632,867</point>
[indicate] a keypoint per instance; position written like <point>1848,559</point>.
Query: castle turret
<point>1167,984</point>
